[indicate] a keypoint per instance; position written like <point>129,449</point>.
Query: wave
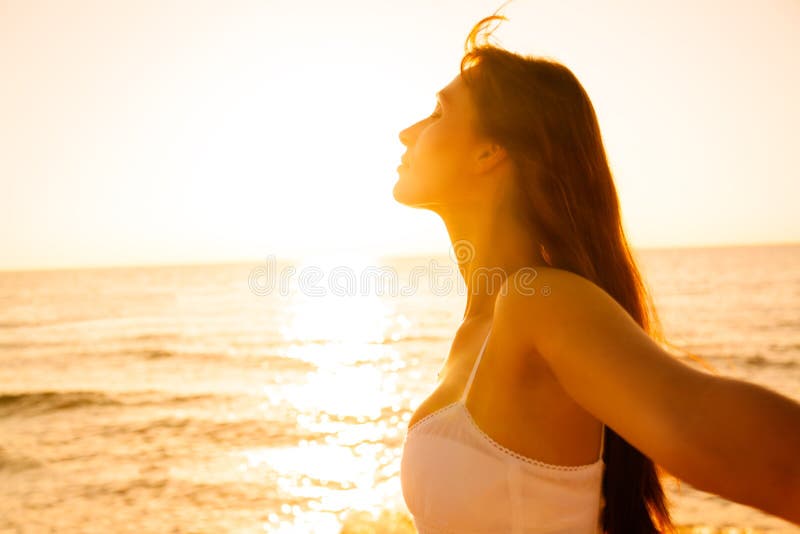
<point>16,462</point>
<point>18,324</point>
<point>790,347</point>
<point>406,339</point>
<point>759,360</point>
<point>247,432</point>
<point>38,402</point>
<point>11,325</point>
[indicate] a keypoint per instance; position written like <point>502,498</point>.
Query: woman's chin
<point>405,194</point>
<point>411,192</point>
<point>401,193</point>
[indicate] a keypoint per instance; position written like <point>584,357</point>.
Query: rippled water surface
<point>198,399</point>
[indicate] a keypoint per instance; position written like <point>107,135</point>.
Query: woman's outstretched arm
<point>725,436</point>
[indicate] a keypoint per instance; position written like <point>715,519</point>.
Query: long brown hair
<point>564,192</point>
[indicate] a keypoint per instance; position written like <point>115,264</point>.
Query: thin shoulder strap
<point>475,368</point>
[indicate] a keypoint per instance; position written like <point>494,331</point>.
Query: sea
<point>274,395</point>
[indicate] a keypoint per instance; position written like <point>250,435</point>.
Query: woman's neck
<point>488,245</point>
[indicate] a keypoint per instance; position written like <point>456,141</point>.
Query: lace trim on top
<point>498,446</point>
<point>427,417</point>
<point>526,459</point>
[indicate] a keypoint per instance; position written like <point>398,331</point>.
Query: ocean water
<point>252,398</point>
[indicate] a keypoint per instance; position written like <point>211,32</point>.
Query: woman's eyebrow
<point>441,96</point>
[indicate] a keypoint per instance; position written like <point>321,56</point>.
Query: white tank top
<point>456,479</point>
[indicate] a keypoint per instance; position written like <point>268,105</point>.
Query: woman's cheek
<point>439,158</point>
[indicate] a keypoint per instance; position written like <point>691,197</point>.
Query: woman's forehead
<point>456,97</point>
<point>452,91</point>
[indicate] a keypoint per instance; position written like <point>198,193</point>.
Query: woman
<point>559,337</point>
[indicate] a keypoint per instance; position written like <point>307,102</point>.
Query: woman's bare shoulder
<point>532,290</point>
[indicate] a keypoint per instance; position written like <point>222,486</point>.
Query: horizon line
<point>296,257</point>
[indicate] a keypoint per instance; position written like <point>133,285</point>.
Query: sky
<point>149,132</point>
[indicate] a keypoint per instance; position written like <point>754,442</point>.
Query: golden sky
<point>169,132</point>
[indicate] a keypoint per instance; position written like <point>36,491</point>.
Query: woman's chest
<point>502,383</point>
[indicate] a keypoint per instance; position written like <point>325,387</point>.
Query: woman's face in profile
<point>440,149</point>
